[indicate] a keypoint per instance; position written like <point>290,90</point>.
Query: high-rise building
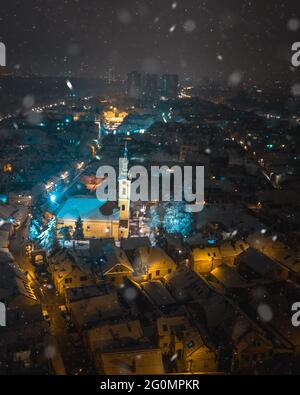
<point>110,76</point>
<point>169,86</point>
<point>150,87</point>
<point>134,85</point>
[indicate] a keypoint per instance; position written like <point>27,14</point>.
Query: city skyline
<point>191,38</point>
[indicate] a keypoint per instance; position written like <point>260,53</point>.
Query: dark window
<point>191,344</point>
<point>165,328</point>
<point>170,271</point>
<point>157,272</point>
<point>83,278</point>
<point>150,276</point>
<point>68,281</point>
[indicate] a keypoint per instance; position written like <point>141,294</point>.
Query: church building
<point>101,219</point>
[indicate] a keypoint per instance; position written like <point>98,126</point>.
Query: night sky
<point>193,38</point>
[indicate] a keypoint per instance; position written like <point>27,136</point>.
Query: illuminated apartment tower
<point>124,196</point>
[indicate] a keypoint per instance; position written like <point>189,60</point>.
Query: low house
<point>287,257</point>
<point>15,215</point>
<point>272,308</point>
<point>230,326</point>
<point>109,337</point>
<point>227,278</point>
<point>70,269</point>
<point>138,362</point>
<point>4,238</point>
<point>158,294</point>
<point>206,259</point>
<point>185,285</point>
<point>89,312</point>
<point>153,263</point>
<point>174,245</point>
<point>250,346</point>
<point>254,264</point>
<point>183,343</point>
<point>113,262</point>
<point>86,292</point>
<point>231,250</point>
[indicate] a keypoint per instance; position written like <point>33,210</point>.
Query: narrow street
<point>66,356</point>
<point>73,356</point>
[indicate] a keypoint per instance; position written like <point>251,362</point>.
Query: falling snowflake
<point>265,312</point>
<point>174,357</point>
<point>69,85</point>
<point>28,101</point>
<point>189,26</point>
<point>124,17</point>
<point>172,28</point>
<point>130,294</point>
<point>295,90</point>
<point>293,24</point>
<point>50,352</point>
<point>235,78</point>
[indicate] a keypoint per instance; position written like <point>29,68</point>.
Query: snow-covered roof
<point>86,208</point>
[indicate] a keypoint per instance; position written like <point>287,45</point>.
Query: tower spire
<point>126,150</point>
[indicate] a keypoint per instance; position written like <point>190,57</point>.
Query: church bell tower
<point>124,195</point>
